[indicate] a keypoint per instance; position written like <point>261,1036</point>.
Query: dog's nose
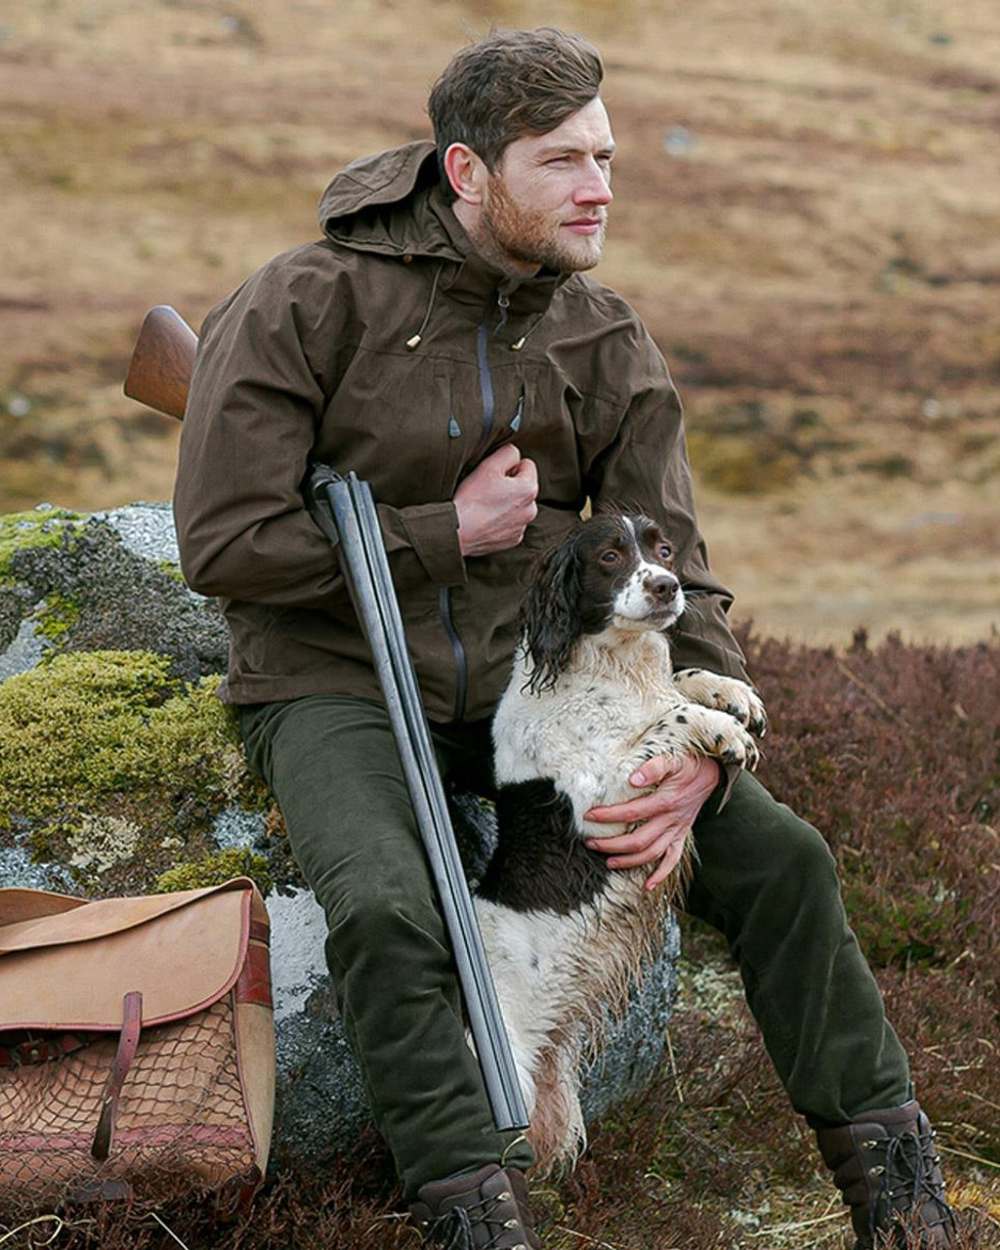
<point>662,587</point>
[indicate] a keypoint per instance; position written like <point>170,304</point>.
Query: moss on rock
<point>56,616</point>
<point>171,570</point>
<point>41,527</point>
<point>114,765</point>
<point>214,870</point>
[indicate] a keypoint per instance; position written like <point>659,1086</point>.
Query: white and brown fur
<point>592,697</point>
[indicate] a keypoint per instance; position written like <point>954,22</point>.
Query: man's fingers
<point>653,771</point>
<point>635,809</point>
<point>504,460</point>
<point>636,839</point>
<point>652,854</point>
<point>525,471</point>
<point>668,863</point>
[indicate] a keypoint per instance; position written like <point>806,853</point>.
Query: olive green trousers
<point>763,877</point>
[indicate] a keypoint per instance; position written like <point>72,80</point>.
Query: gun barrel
<point>370,582</point>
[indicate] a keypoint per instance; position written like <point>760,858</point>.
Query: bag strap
<point>128,1044</point>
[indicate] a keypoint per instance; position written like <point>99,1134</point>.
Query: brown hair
<point>512,83</point>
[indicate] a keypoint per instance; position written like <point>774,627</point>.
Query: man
<point>443,341</point>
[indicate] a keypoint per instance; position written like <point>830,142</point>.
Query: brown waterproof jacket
<point>391,348</point>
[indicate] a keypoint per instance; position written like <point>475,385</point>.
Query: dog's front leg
<point>725,694</point>
<point>692,729</point>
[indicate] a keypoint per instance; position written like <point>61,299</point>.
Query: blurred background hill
<point>807,215</point>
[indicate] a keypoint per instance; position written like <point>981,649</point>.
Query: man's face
<point>546,204</point>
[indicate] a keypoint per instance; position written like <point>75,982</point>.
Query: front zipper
<point>485,382</point>
<point>457,650</point>
<point>489,410</point>
<point>515,423</point>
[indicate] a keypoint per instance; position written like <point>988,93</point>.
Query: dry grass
<point>892,753</point>
<point>823,255</point>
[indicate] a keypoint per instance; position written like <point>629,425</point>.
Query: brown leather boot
<point>484,1210</point>
<point>886,1165</point>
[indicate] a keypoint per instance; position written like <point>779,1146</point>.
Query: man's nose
<point>596,187</point>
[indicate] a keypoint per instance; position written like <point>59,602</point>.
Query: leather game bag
<point>136,1046</point>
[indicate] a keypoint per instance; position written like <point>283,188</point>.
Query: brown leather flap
<point>71,968</point>
<point>18,904</point>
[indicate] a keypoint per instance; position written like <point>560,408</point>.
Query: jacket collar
<point>392,204</point>
<point>475,282</point>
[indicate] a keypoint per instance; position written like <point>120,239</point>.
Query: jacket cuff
<point>432,529</point>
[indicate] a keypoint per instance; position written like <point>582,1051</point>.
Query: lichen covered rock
<point>112,766</point>
<point>86,584</point>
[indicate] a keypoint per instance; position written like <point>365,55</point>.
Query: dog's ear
<point>551,614</point>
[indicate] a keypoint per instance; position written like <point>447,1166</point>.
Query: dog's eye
<point>610,557</point>
<point>664,551</point>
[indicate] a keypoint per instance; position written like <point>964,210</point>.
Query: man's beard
<point>532,236</point>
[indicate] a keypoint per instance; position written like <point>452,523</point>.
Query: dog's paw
<point>746,706</point>
<point>733,745</point>
<point>725,694</point>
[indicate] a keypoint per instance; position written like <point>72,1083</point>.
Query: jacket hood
<point>391,203</point>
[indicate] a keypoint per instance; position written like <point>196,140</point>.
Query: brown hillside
<point>807,214</point>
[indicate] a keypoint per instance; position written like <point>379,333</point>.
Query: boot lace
<point>458,1226</point>
<point>908,1174</point>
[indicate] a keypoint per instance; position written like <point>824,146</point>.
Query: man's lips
<point>585,225</point>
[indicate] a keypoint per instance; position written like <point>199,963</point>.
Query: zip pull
<point>515,424</point>
<point>503,303</point>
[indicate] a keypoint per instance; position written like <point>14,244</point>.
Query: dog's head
<point>614,572</point>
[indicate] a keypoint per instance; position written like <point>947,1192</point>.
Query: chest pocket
<point>397,421</point>
<point>545,432</point>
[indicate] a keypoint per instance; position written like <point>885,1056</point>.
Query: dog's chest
<point>582,725</point>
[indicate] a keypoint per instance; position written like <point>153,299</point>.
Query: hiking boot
<point>484,1210</point>
<point>886,1165</point>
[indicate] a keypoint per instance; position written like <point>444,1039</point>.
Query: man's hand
<point>496,502</point>
<point>683,783</point>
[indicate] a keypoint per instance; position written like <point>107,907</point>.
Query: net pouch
<point>136,1046</point>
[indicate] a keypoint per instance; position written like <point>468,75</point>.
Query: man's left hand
<point>683,783</point>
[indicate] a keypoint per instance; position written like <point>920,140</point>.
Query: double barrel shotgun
<point>344,509</point>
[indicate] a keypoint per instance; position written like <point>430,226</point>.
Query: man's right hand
<point>496,502</point>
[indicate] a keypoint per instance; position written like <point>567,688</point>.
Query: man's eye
<point>610,557</point>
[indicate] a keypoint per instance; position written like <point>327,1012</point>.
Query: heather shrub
<point>892,753</point>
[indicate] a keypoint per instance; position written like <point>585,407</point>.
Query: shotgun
<point>344,509</point>
<point>162,362</point>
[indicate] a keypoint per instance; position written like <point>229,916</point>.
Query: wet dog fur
<point>592,696</point>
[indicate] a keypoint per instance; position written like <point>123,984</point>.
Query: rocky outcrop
<point>121,772</point>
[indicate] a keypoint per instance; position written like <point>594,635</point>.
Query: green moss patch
<point>171,570</point>
<point>214,870</point>
<point>115,766</point>
<point>56,617</point>
<point>41,527</point>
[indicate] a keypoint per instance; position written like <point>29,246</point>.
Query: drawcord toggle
<point>413,342</point>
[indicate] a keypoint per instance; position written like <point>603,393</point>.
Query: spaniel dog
<point>593,696</point>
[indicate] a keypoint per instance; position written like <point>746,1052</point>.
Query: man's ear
<point>466,172</point>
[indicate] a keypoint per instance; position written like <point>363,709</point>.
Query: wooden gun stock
<point>159,374</point>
